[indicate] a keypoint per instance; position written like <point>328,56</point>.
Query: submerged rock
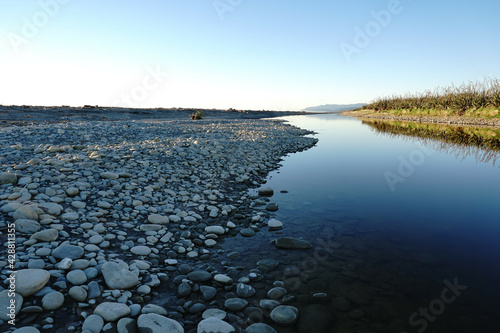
<point>292,243</point>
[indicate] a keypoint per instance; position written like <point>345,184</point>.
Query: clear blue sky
<point>282,55</point>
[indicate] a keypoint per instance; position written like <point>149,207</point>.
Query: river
<point>405,233</point>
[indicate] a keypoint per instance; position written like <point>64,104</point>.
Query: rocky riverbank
<point>118,224</point>
<point>459,121</point>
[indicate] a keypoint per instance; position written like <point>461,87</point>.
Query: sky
<point>242,54</point>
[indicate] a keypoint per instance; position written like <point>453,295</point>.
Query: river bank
<point>447,120</point>
<point>118,224</point>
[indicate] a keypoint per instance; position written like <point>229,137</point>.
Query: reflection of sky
<point>346,169</point>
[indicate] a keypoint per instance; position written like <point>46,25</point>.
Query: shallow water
<point>390,219</point>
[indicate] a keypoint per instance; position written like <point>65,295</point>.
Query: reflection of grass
<point>485,140</point>
<point>480,99</point>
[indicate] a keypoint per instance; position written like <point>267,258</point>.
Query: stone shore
<point>118,222</point>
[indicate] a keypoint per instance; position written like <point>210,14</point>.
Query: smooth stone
<point>36,264</point>
<point>52,301</point>
<point>223,279</point>
<point>78,293</point>
<point>118,276</point>
<point>158,219</point>
<point>245,290</point>
<point>110,311</point>
<point>214,325</point>
<point>247,232</point>
<point>284,315</point>
<point>266,192</point>
<point>272,207</point>
<point>25,212</point>
<point>109,175</point>
<point>144,290</point>
<point>197,308</point>
<point>8,178</point>
<point>140,250</point>
<point>235,304</point>
<point>153,308</point>
<point>217,313</point>
<point>199,276</point>
<point>65,264</point>
<point>76,277</point>
<point>155,323</point>
<point>261,328</point>
<point>208,292</point>
<point>94,290</point>
<point>68,251</point>
<point>276,293</point>
<point>27,329</point>
<point>51,208</point>
<point>71,216</point>
<point>126,325</point>
<point>292,243</point>
<point>184,289</point>
<point>5,301</point>
<point>26,226</point>
<point>48,235</point>
<point>72,191</point>
<point>268,304</point>
<point>29,281</point>
<point>215,229</point>
<point>274,224</point>
<point>93,323</point>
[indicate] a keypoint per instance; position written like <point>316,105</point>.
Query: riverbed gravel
<point>117,223</point>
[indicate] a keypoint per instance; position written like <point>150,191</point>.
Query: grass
<point>197,115</point>
<point>472,99</point>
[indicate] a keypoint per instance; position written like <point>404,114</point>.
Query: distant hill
<point>334,107</point>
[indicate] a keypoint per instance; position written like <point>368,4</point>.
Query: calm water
<point>390,220</point>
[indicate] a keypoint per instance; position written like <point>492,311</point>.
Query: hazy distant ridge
<point>334,107</point>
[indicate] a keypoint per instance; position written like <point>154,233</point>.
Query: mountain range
<point>334,107</point>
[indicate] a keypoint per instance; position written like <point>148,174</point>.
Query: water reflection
<point>482,144</point>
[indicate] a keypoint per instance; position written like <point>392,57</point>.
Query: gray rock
<point>285,315</point>
<point>26,226</point>
<point>5,302</point>
<point>276,293</point>
<point>93,323</point>
<point>214,325</point>
<point>199,276</point>
<point>223,279</point>
<point>292,243</point>
<point>94,290</point>
<point>78,293</point>
<point>118,275</point>
<point>76,277</point>
<point>274,224</point>
<point>70,216</point>
<point>48,235</point>
<point>158,219</point>
<point>245,290</point>
<point>184,289</point>
<point>8,178</point>
<point>268,304</point>
<point>127,325</point>
<point>25,212</point>
<point>109,175</point>
<point>155,323</point>
<point>112,311</point>
<point>262,328</point>
<point>247,232</point>
<point>235,304</point>
<point>215,229</point>
<point>27,329</point>
<point>153,308</point>
<point>208,292</point>
<point>266,192</point>
<point>272,207</point>
<point>52,301</point>
<point>140,250</point>
<point>68,251</point>
<point>217,313</point>
<point>29,281</point>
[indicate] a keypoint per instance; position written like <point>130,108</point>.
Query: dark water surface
<point>395,223</point>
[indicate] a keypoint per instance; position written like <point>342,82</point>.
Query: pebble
<point>76,277</point>
<point>118,275</point>
<point>235,304</point>
<point>29,281</point>
<point>274,224</point>
<point>199,276</point>
<point>214,325</point>
<point>284,315</point>
<point>155,323</point>
<point>52,301</point>
<point>223,279</point>
<point>93,323</point>
<point>68,251</point>
<point>262,328</point>
<point>110,311</point>
<point>78,293</point>
<point>292,243</point>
